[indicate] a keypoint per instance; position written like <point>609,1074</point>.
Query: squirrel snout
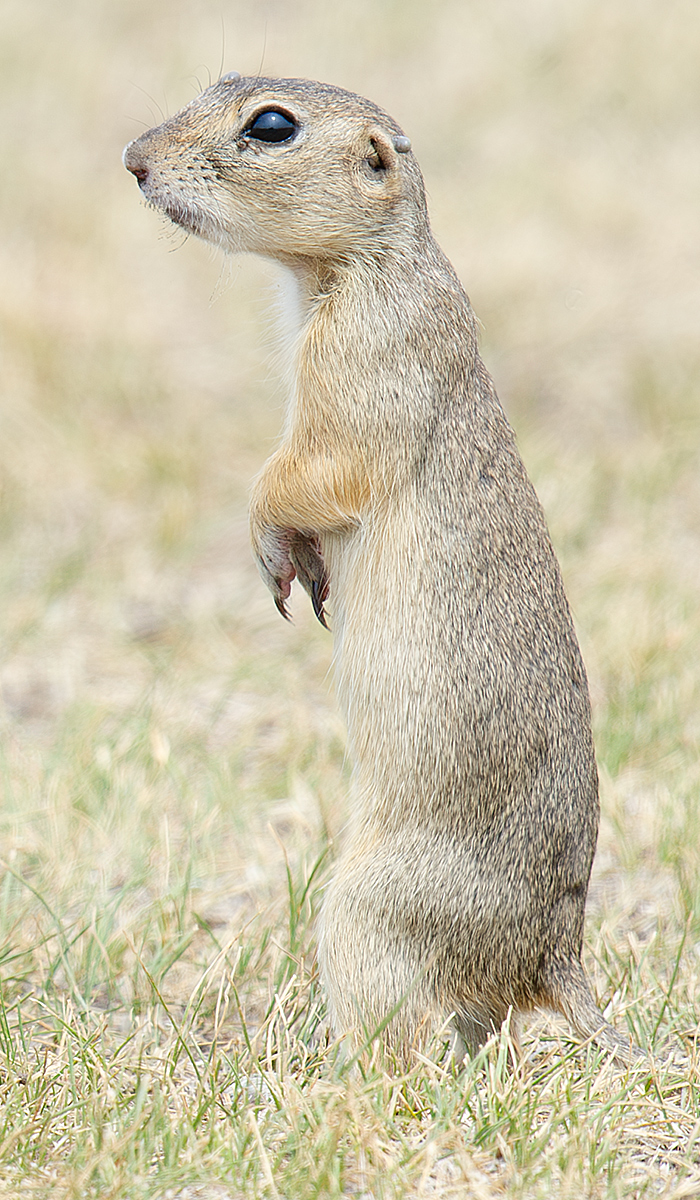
<point>134,163</point>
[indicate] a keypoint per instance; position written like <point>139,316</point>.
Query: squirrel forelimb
<point>298,498</point>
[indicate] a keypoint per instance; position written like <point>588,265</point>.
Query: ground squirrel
<point>397,494</point>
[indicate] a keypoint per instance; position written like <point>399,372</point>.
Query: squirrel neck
<point>395,273</point>
<point>393,331</point>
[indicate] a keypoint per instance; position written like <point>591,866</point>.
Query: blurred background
<point>166,738</point>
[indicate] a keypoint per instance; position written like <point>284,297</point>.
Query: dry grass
<point>171,759</point>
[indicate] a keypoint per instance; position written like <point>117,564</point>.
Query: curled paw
<point>307,561</point>
<point>272,551</point>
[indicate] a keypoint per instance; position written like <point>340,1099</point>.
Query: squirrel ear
<point>382,151</point>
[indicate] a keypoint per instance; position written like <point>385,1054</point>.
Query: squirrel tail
<point>570,994</point>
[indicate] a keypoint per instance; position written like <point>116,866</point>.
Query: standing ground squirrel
<point>398,493</point>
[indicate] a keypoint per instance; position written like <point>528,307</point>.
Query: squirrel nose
<point>134,163</point>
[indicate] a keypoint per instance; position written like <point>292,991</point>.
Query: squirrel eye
<point>272,126</point>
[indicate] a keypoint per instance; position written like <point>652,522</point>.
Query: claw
<point>307,560</point>
<point>282,608</point>
<point>318,595</point>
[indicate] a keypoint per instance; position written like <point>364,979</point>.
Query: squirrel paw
<point>272,552</point>
<point>284,555</point>
<point>307,560</point>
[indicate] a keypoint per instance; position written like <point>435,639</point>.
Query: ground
<point>172,758</point>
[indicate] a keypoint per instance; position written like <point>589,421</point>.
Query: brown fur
<point>398,490</point>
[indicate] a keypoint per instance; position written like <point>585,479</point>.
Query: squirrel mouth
<point>192,220</point>
<point>183,215</point>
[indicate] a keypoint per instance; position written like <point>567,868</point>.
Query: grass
<point>171,759</point>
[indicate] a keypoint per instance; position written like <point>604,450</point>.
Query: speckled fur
<point>398,491</point>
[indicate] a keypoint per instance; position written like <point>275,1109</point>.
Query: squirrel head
<point>287,168</point>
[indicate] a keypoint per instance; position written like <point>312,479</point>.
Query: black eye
<point>272,126</point>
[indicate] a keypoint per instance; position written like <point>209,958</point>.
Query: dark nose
<point>134,163</point>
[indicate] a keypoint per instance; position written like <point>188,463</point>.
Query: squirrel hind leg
<point>473,1027</point>
<point>569,993</point>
